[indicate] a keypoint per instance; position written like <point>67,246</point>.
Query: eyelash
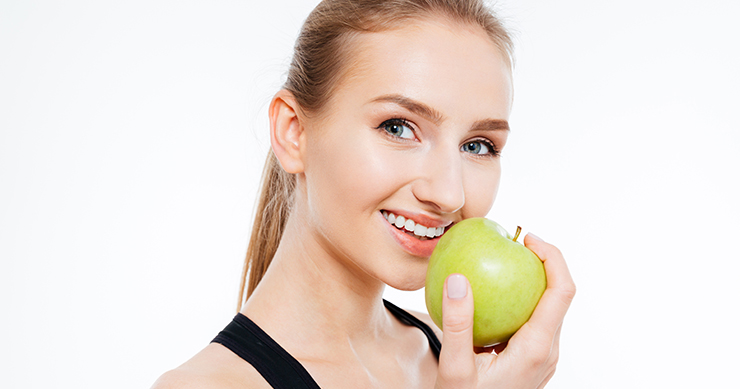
<point>397,122</point>
<point>493,151</point>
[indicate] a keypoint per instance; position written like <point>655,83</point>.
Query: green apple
<point>507,278</point>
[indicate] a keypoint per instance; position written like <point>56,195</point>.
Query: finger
<point>456,359</point>
<point>546,380</point>
<point>560,289</point>
<point>556,344</point>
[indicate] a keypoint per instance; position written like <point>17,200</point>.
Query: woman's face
<point>413,129</point>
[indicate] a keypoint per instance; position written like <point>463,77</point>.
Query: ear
<point>286,131</point>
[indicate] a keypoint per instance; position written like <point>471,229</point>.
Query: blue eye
<point>398,128</point>
<point>479,147</point>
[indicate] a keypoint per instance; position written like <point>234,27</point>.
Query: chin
<point>408,287</point>
<point>409,283</point>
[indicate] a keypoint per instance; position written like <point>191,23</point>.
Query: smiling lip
<point>410,243</point>
<point>419,218</point>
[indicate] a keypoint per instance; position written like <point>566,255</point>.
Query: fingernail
<point>457,286</point>
<point>531,235</point>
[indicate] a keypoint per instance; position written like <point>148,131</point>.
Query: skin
<point>338,252</point>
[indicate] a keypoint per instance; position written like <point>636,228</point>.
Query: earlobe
<point>286,132</point>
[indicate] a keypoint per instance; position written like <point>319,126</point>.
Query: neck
<point>323,295</point>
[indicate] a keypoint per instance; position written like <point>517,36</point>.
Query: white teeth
<point>431,232</point>
<point>400,221</point>
<point>411,226</point>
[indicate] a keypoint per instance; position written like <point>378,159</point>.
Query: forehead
<point>446,65</point>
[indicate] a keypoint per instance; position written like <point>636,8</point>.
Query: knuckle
<point>455,323</point>
<point>541,352</point>
<point>554,359</point>
<point>555,251</point>
<point>550,250</point>
<point>547,251</point>
<point>539,358</point>
<point>568,291</point>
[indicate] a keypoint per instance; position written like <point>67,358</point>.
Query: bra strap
<point>412,320</point>
<point>243,337</point>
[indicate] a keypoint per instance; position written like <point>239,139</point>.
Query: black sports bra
<point>245,339</point>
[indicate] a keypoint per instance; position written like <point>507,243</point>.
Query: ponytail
<point>273,208</point>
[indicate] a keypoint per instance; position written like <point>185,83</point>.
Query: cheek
<point>481,187</point>
<point>349,177</point>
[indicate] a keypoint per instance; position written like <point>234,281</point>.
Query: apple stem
<point>518,231</point>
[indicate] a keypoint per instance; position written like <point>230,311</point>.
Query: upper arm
<point>215,367</point>
<point>183,379</point>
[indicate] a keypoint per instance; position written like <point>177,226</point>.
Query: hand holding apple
<point>507,279</point>
<point>530,357</point>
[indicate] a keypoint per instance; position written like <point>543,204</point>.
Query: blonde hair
<point>320,57</point>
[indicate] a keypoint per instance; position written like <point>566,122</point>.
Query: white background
<point>132,136</point>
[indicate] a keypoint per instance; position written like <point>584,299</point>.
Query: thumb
<point>457,359</point>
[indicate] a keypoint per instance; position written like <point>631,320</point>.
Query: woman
<point>390,108</point>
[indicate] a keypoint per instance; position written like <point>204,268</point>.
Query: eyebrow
<point>491,125</point>
<point>414,106</point>
<point>435,116</point>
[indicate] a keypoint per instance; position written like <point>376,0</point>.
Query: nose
<point>440,181</point>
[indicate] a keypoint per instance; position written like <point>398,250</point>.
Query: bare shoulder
<point>424,317</point>
<point>185,379</point>
<point>215,367</point>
